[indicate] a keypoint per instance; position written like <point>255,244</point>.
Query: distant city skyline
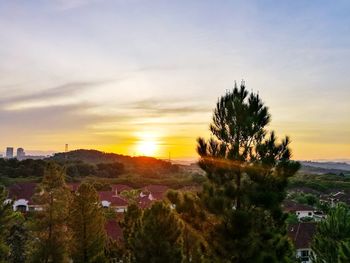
<point>142,77</point>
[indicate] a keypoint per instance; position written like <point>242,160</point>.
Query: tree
<point>248,171</point>
<point>6,216</point>
<point>17,240</point>
<point>332,236</point>
<point>196,224</point>
<point>51,235</point>
<point>87,223</point>
<point>154,236</point>
<point>131,225</point>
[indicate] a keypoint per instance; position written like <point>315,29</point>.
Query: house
<point>302,234</point>
<point>154,192</point>
<point>73,187</point>
<point>109,199</point>
<point>21,195</point>
<point>300,210</point>
<point>144,201</point>
<point>113,230</point>
<point>118,188</point>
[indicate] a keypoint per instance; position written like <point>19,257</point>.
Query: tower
<point>20,154</point>
<point>9,152</point>
<point>66,147</point>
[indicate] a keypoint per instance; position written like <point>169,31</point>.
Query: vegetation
<point>17,240</point>
<point>6,215</point>
<point>319,182</point>
<point>100,169</point>
<point>248,172</point>
<point>153,235</point>
<point>51,236</point>
<point>331,242</point>
<point>87,224</point>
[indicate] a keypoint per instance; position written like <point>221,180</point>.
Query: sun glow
<point>147,148</point>
<point>147,145</point>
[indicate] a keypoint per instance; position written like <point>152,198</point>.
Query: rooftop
<point>302,234</point>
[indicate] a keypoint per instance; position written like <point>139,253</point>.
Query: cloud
<point>44,98</point>
<point>162,107</point>
<point>71,4</point>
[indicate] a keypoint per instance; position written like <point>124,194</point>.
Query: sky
<point>143,76</point>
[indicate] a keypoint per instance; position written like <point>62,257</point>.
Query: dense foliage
<point>87,163</point>
<point>248,171</point>
<point>332,240</point>
<point>153,235</point>
<point>51,235</point>
<point>87,224</point>
<point>6,215</point>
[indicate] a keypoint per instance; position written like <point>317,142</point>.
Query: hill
<point>324,167</point>
<point>103,168</point>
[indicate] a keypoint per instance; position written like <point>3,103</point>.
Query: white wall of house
<point>304,254</point>
<point>120,209</point>
<point>301,214</point>
<point>20,202</point>
<point>35,208</point>
<point>105,203</point>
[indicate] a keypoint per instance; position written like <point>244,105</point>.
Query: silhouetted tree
<point>248,171</point>
<point>87,224</point>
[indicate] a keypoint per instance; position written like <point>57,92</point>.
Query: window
<point>21,208</point>
<point>304,255</point>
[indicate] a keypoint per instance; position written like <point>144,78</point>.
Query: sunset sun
<point>147,144</point>
<point>147,148</point>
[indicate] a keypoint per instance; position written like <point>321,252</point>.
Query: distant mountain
<point>325,167</point>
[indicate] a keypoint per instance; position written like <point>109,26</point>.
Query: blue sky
<point>108,74</point>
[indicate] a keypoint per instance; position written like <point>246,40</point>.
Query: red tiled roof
<point>121,187</point>
<point>22,191</point>
<point>144,202</point>
<point>291,206</point>
<point>302,234</point>
<point>158,196</point>
<point>73,186</point>
<point>112,198</point>
<point>154,188</point>
<point>114,230</point>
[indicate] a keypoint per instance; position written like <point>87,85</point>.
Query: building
<point>20,154</point>
<point>302,234</point>
<point>110,200</point>
<point>9,152</point>
<point>21,196</point>
<point>300,210</point>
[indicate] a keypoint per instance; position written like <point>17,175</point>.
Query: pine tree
<point>6,217</point>
<point>332,236</point>
<point>248,172</point>
<point>196,224</point>
<point>51,235</point>
<point>18,240</point>
<point>130,226</point>
<point>87,224</point>
<point>156,237</point>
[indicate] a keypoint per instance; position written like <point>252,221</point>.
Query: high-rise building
<point>20,153</point>
<point>9,152</point>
